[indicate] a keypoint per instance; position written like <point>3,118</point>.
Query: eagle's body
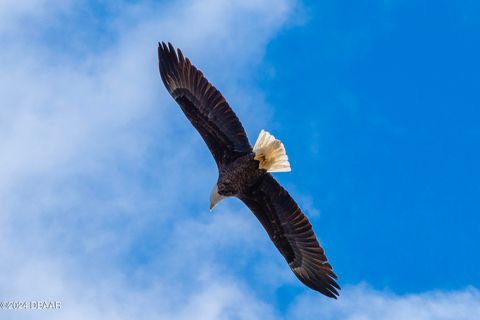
<point>244,171</point>
<point>238,177</point>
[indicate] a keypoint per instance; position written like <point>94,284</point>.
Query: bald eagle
<point>244,172</point>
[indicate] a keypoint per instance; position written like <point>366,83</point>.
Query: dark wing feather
<point>292,234</point>
<point>203,105</point>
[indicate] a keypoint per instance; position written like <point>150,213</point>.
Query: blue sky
<point>104,184</point>
<point>391,97</point>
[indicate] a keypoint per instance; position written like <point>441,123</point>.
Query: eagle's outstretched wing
<point>292,234</point>
<point>203,105</point>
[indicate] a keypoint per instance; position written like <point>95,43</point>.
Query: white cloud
<point>14,14</point>
<point>363,303</point>
<point>89,215</point>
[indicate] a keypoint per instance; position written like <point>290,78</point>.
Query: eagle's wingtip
<point>162,46</point>
<point>332,293</point>
<point>171,48</point>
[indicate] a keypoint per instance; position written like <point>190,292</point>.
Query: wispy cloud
<point>361,302</point>
<point>99,169</point>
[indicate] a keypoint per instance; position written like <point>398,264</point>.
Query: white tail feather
<point>271,153</point>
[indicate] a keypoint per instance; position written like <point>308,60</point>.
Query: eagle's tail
<point>271,153</point>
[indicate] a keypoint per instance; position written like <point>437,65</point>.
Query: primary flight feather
<point>244,172</point>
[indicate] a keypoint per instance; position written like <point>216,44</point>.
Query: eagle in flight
<point>244,172</point>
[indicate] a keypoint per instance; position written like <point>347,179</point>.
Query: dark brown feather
<point>292,234</point>
<point>204,106</point>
